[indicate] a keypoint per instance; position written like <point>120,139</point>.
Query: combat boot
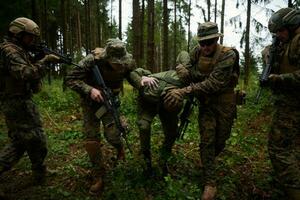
<point>97,187</point>
<point>293,193</point>
<point>95,154</point>
<point>39,174</point>
<point>209,192</point>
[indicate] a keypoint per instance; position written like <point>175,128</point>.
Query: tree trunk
<point>189,25</point>
<point>222,20</point>
<point>99,35</point>
<point>175,34</point>
<point>111,17</point>
<point>33,10</point>
<point>208,10</point>
<point>69,28</point>
<point>79,41</point>
<point>216,10</point>
<point>142,17</point>
<point>136,30</point>
<point>87,27</point>
<point>120,19</point>
<point>165,64</point>
<point>150,39</point>
<point>247,41</point>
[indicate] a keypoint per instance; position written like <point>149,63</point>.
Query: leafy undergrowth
<point>244,170</point>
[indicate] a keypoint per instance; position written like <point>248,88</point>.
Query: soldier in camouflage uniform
<point>213,73</point>
<point>20,77</point>
<point>115,64</point>
<point>150,103</point>
<point>284,81</point>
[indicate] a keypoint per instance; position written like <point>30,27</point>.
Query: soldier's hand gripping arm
<point>150,82</point>
<point>219,78</point>
<point>174,97</point>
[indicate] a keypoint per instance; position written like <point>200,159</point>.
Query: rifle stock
<point>110,104</point>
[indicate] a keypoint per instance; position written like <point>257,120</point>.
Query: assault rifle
<point>110,104</point>
<point>263,80</point>
<point>184,117</point>
<point>41,50</point>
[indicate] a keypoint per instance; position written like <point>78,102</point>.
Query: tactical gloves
<point>174,98</point>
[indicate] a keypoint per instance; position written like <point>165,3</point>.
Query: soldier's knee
<point>112,135</point>
<point>144,125</point>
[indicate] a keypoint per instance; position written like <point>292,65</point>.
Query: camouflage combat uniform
<point>115,64</point>
<point>217,107</point>
<point>212,80</point>
<point>20,78</point>
<point>284,137</point>
<point>81,80</point>
<point>150,103</point>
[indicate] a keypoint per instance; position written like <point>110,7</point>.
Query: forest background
<point>156,33</point>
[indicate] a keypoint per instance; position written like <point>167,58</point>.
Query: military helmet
<point>208,30</point>
<point>23,24</point>
<point>115,48</point>
<point>284,17</point>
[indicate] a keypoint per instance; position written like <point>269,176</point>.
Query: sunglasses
<point>207,42</point>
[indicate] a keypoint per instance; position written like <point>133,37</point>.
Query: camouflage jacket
<point>81,79</point>
<point>287,90</point>
<point>213,76</point>
<point>19,75</point>
<point>167,80</point>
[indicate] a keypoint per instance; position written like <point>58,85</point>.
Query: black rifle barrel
<point>63,58</point>
<point>184,117</point>
<point>263,79</point>
<point>110,103</point>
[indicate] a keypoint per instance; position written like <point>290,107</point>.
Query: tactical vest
<point>289,59</point>
<point>9,85</point>
<point>167,80</point>
<point>205,65</point>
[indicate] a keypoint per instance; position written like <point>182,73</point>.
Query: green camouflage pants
<point>91,125</point>
<point>25,132</point>
<point>146,113</point>
<point>215,122</point>
<point>284,145</point>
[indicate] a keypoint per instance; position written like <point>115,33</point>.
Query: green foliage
<point>244,170</point>
<point>52,98</point>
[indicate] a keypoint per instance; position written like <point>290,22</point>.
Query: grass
<point>244,170</point>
